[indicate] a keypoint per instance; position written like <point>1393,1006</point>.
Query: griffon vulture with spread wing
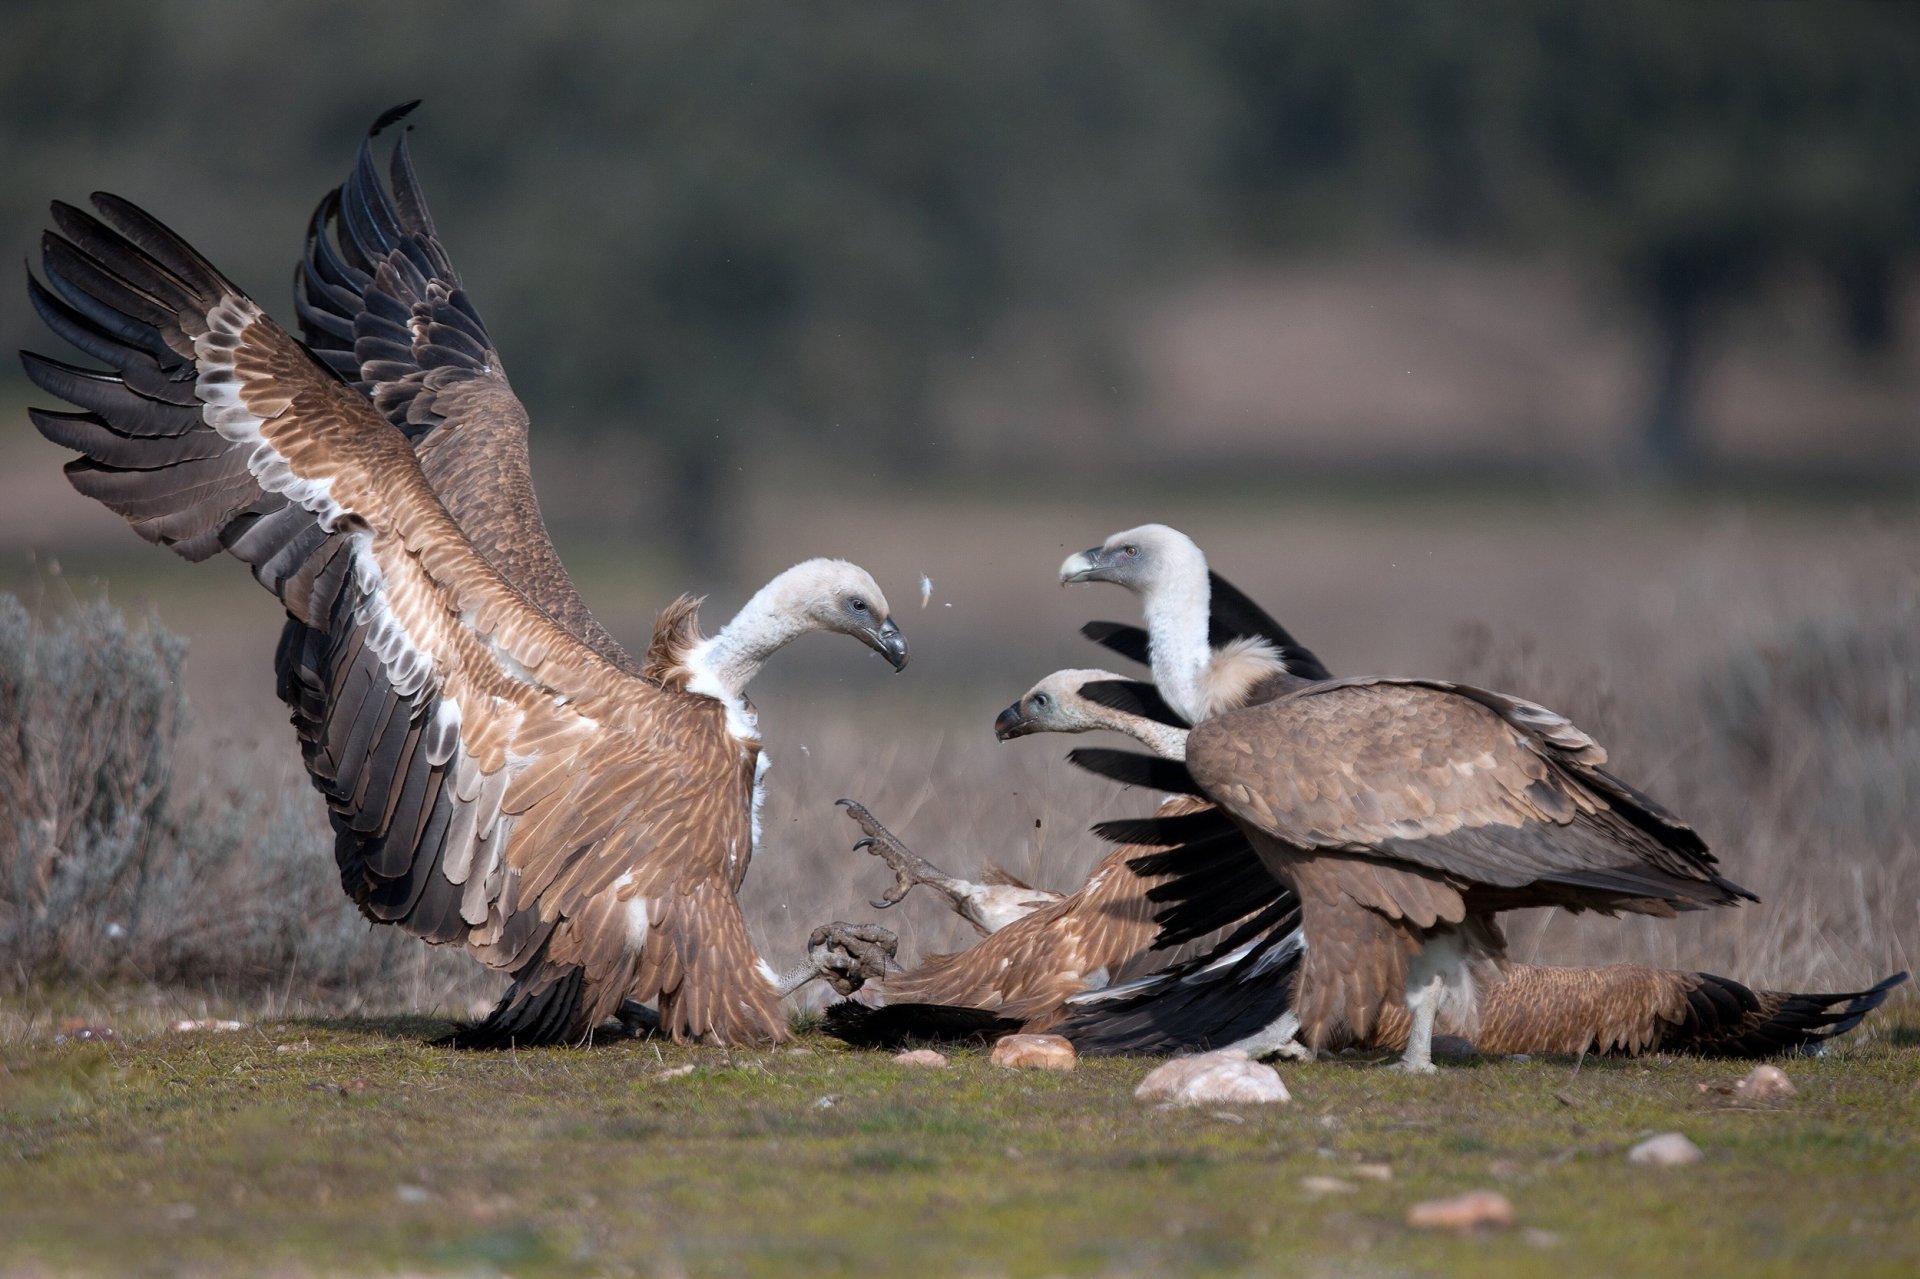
<point>494,779</point>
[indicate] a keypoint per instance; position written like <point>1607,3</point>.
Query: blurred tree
<point>695,231</point>
<point>1695,151</point>
<point>703,231</point>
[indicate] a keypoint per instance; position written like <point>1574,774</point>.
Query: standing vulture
<point>492,779</point>
<point>1407,813</point>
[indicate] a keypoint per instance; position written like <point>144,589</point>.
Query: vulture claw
<point>909,868</point>
<point>850,955</point>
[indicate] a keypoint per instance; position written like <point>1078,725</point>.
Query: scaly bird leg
<point>909,868</point>
<point>1424,1004</point>
<point>846,955</point>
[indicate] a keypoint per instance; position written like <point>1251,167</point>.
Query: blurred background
<point>1573,349</point>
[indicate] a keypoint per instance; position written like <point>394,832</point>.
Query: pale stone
<point>1035,1052</point>
<point>1665,1151</point>
<point>1471,1211</point>
<point>1373,1172</point>
<point>1765,1083</point>
<point>1228,1076</point>
<point>921,1057</point>
<point>1327,1186</point>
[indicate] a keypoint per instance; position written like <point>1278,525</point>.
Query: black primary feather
<point>1132,697</point>
<point>1232,616</point>
<point>392,116</point>
<point>1131,768</point>
<point>1159,832</point>
<point>1129,642</point>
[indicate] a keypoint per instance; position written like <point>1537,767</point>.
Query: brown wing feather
<point>1483,788</point>
<point>491,779</point>
<point>1105,930</point>
<point>380,302</point>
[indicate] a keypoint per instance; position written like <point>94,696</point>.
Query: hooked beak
<point>1010,723</point>
<point>889,643</point>
<point>1081,567</point>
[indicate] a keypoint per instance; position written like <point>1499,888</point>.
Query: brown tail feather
<point>1629,1010</point>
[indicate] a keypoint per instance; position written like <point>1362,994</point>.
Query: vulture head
<point>1055,705</point>
<point>817,595</point>
<point>833,595</point>
<point>1168,573</point>
<point>1149,560</point>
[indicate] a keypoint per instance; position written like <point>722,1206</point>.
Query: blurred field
<point>1748,660</point>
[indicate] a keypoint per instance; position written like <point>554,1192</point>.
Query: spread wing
<point>380,304</point>
<point>1487,789</point>
<point>491,780</point>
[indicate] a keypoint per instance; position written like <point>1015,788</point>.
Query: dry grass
<point>1752,667</point>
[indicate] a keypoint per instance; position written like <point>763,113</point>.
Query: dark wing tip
<point>392,116</point>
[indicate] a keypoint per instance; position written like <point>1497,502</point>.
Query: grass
<point>327,1146</point>
<point>1754,669</point>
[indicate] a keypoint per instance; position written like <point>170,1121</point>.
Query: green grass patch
<point>323,1146</point>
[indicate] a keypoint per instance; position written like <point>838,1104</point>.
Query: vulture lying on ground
<point>493,780</point>
<point>1407,814</point>
<point>1022,976</point>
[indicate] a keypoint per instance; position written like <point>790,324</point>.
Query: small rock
<point>412,1194</point>
<point>673,1072</point>
<point>1453,1047</point>
<point>1665,1151</point>
<point>1037,1052</point>
<point>1327,1186</point>
<point>180,1212</point>
<point>209,1024</point>
<point>304,1045</point>
<point>1226,1116</point>
<point>1765,1083</point>
<point>827,1102</point>
<point>921,1057</point>
<point>86,1035</point>
<point>1228,1076</point>
<point>1373,1172</point>
<point>1474,1210</point>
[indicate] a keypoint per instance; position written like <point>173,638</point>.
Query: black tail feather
<point>528,1015</point>
<point>1726,1019</point>
<point>896,1025</point>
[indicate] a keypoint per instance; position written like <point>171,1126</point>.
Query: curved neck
<point>764,625</point>
<point>1176,612</point>
<point>1163,740</point>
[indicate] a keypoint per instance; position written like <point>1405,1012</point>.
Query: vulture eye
<point>1129,551</point>
<point>857,605</point>
<point>1039,699</point>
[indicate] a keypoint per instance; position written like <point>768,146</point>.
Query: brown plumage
<point>1106,931</point>
<point>492,780</point>
<point>1406,814</point>
<point>380,303</point>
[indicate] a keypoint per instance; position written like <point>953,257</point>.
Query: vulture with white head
<point>495,778</point>
<point>1406,814</point>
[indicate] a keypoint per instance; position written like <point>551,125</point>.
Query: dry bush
<point>113,867</point>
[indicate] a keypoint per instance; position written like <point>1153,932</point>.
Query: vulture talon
<point>909,868</point>
<point>850,955</point>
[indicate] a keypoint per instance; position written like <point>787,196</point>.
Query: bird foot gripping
<point>850,955</point>
<point>909,868</point>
